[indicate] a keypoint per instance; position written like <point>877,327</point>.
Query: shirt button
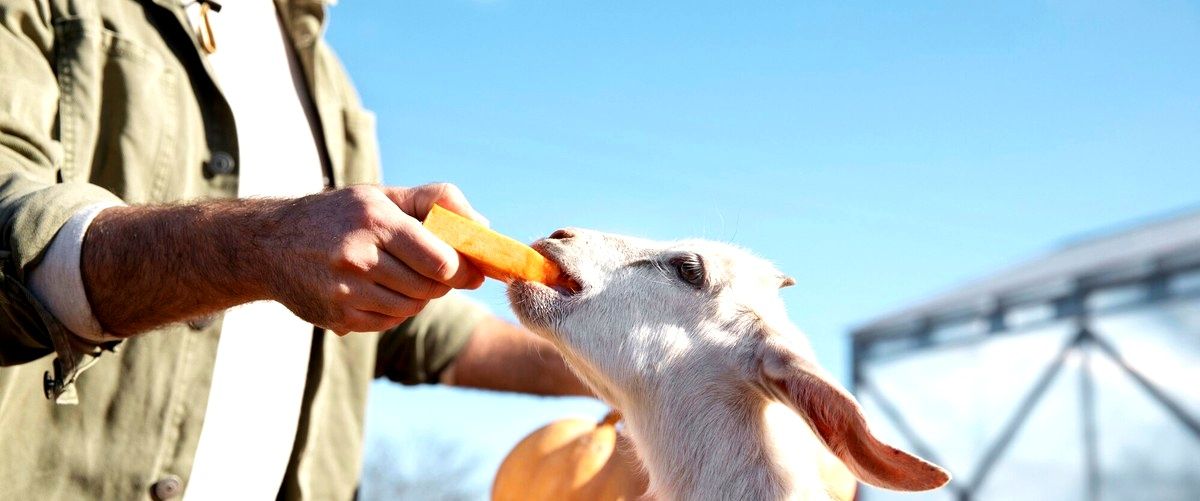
<point>220,164</point>
<point>201,323</point>
<point>49,384</point>
<point>167,487</point>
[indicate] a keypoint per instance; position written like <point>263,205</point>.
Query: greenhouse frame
<point>1072,376</point>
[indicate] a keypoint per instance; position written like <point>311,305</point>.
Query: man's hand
<point>355,259</point>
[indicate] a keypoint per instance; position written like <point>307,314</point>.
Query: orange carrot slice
<point>496,255</point>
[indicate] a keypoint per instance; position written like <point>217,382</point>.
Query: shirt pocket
<point>119,110</point>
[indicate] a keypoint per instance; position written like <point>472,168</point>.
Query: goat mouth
<point>569,287</point>
<point>568,284</point>
<point>540,306</point>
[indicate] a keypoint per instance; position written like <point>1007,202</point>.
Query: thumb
<point>418,201</point>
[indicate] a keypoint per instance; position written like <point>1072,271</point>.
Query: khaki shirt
<point>107,100</point>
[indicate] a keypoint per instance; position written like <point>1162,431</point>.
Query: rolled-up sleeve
<point>34,205</point>
<point>421,348</point>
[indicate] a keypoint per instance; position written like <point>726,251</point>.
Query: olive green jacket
<point>107,100</point>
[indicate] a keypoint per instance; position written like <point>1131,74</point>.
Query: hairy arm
<point>503,356</point>
<point>147,266</point>
<point>355,259</point>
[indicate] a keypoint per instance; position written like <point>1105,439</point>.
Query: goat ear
<point>838,422</point>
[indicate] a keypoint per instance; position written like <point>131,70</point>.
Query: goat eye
<point>690,268</point>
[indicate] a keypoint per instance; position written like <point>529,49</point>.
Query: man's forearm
<point>151,265</point>
<point>348,260</point>
<point>503,356</point>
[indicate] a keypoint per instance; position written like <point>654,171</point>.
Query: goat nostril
<point>562,234</point>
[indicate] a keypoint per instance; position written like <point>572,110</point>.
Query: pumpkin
<point>496,255</point>
<point>578,459</point>
<point>572,459</point>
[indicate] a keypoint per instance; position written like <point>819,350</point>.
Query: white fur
<point>683,364</point>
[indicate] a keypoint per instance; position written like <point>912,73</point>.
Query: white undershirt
<point>262,358</point>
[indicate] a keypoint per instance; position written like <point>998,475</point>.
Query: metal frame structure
<point>1149,262</point>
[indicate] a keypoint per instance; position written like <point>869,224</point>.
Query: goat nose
<point>562,233</point>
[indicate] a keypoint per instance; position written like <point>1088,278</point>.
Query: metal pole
<point>1087,402</point>
<point>1176,410</point>
<point>919,446</point>
<point>1027,404</point>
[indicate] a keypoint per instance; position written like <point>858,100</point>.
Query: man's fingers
<point>419,200</point>
<point>429,256</point>
<point>356,320</point>
<point>399,277</point>
<point>378,299</point>
<point>476,283</point>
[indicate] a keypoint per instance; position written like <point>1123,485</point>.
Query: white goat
<point>691,342</point>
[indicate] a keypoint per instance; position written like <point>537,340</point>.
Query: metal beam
<point>962,304</point>
<point>866,342</point>
<point>918,444</point>
<point>1156,282</point>
<point>1010,430</point>
<point>1087,404</point>
<point>1187,420</point>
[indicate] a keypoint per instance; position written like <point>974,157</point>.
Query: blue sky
<point>878,152</point>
